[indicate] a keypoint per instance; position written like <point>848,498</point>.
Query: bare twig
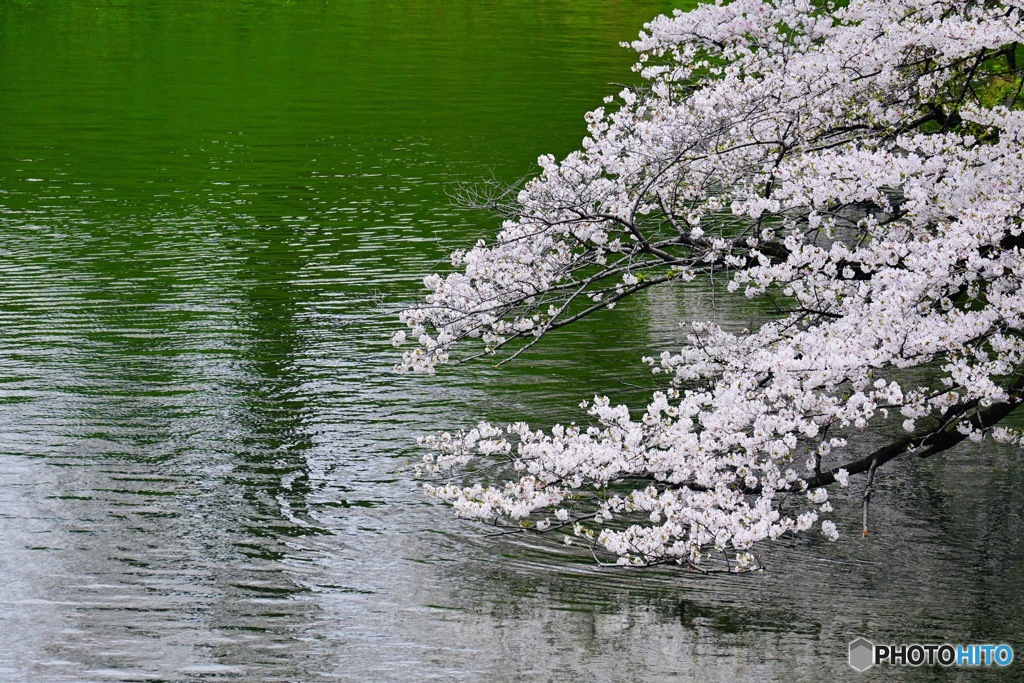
<point>868,490</point>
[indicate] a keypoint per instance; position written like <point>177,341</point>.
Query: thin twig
<point>868,490</point>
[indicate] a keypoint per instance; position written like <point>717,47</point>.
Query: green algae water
<point>209,213</point>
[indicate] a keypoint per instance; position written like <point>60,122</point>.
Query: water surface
<point>209,212</point>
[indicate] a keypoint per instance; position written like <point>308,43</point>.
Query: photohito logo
<point>864,654</point>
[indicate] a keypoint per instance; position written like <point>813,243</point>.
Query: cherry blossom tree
<point>857,165</point>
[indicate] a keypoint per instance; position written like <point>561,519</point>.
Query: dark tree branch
<point>932,441</point>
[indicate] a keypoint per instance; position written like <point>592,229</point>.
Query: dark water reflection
<point>207,212</point>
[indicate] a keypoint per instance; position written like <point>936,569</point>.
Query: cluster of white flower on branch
<point>860,161</point>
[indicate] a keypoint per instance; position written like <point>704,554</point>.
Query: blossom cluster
<point>859,163</point>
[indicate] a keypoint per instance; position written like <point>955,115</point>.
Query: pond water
<point>209,212</point>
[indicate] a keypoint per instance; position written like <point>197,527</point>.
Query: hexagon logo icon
<point>862,654</point>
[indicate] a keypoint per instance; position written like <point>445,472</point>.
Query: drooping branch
<point>928,442</point>
<point>858,175</point>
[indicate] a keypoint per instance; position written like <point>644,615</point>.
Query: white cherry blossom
<point>860,166</point>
